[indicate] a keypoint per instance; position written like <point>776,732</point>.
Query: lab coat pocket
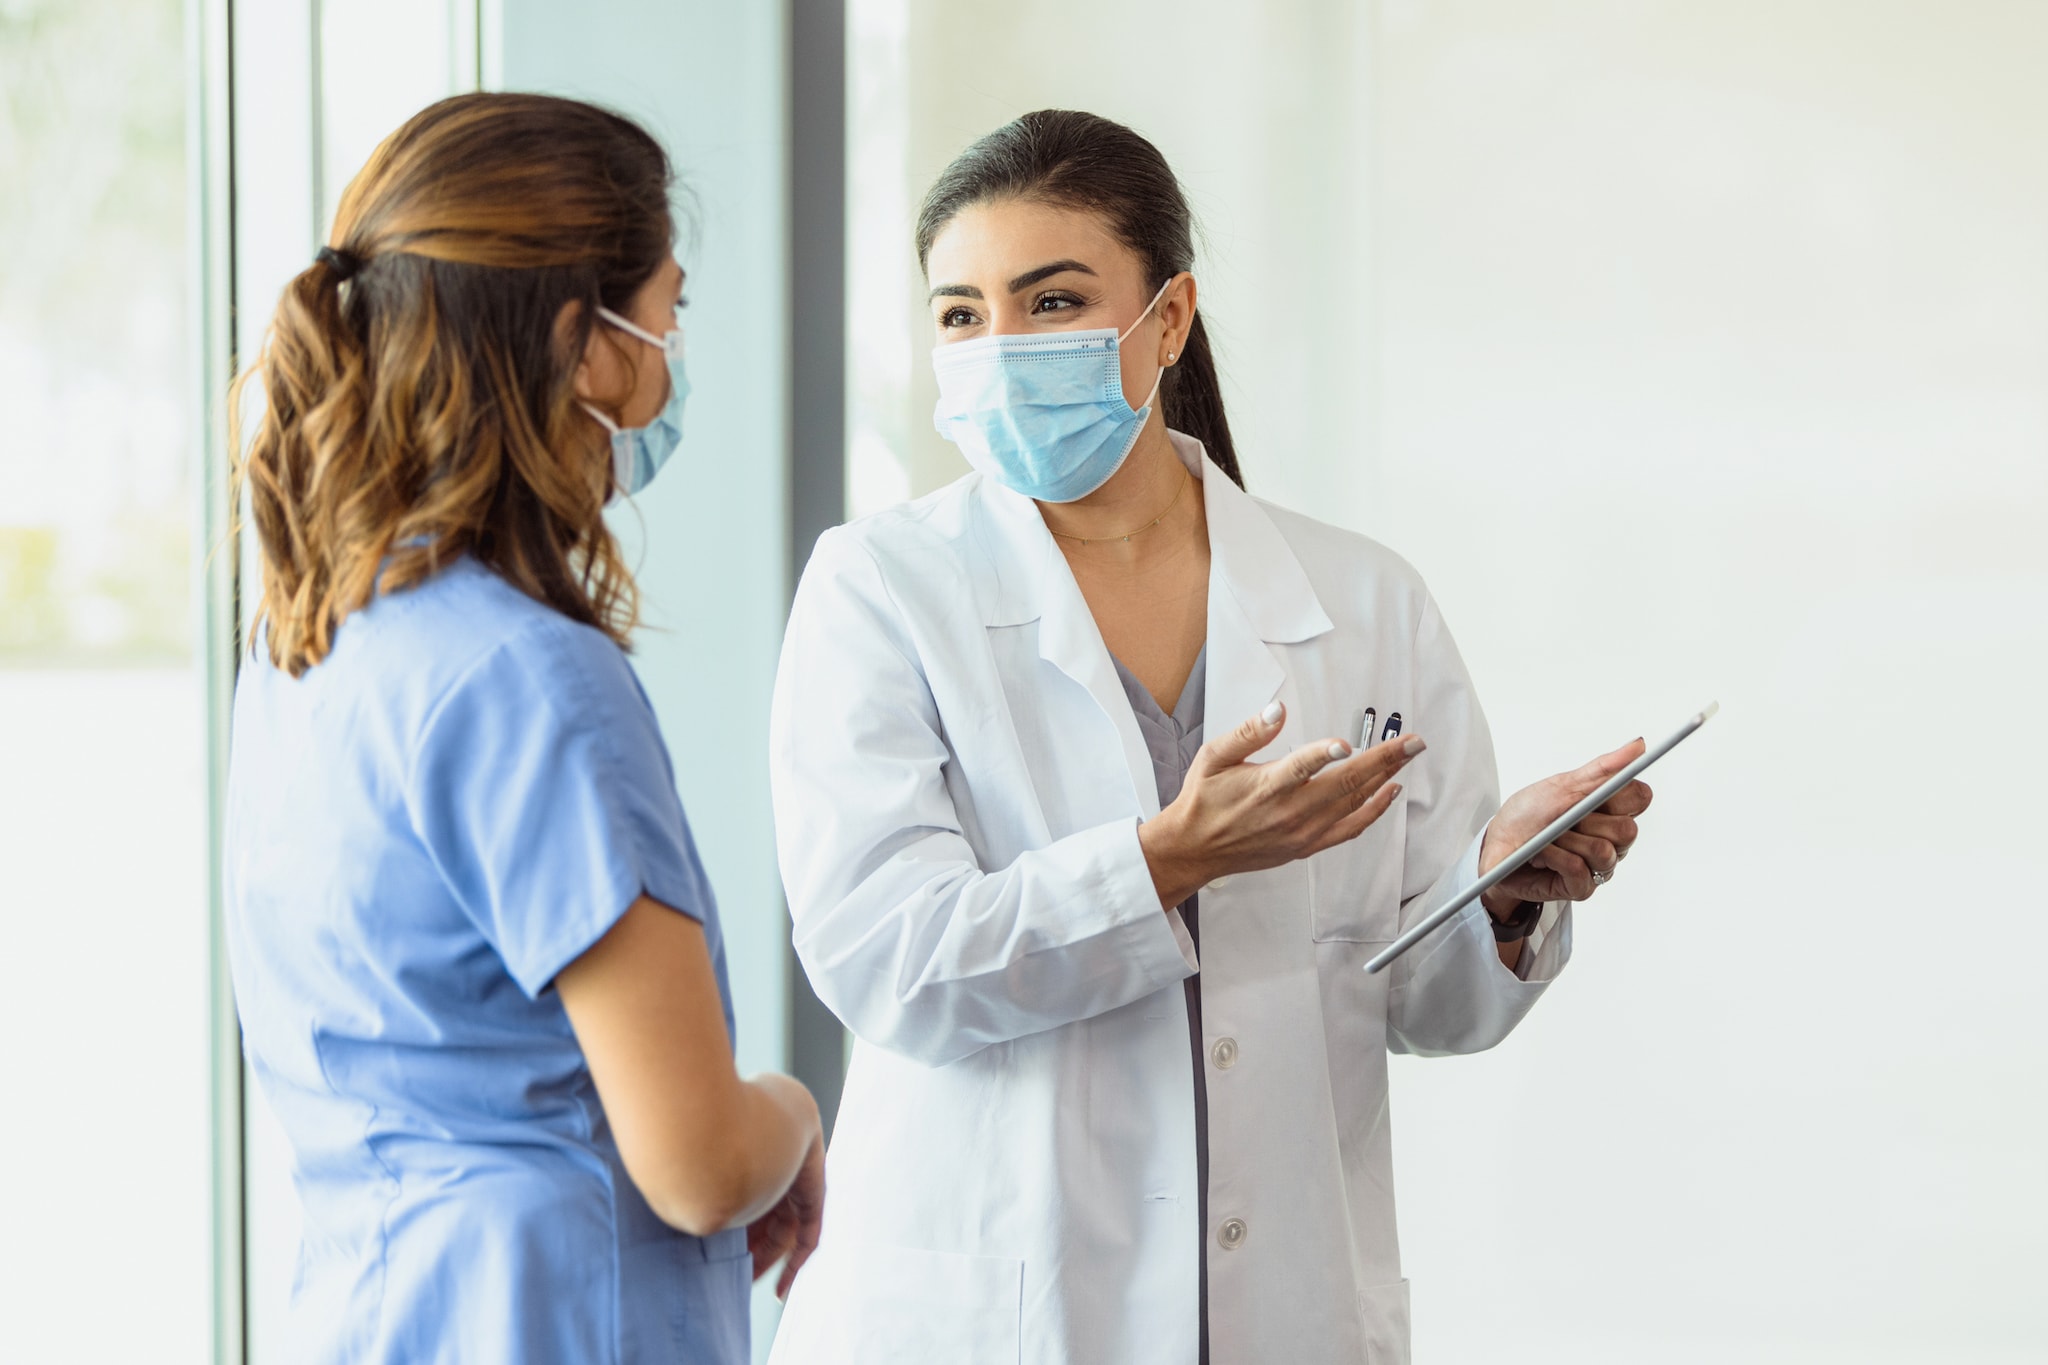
<point>1355,888</point>
<point>908,1304</point>
<point>1385,1310</point>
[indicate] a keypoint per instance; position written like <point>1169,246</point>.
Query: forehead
<point>1009,236</point>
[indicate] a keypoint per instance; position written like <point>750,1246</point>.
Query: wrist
<point>1176,873</point>
<point>1518,923</point>
<point>1500,903</point>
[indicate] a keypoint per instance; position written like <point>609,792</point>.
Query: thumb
<point>1246,740</point>
<point>1585,778</point>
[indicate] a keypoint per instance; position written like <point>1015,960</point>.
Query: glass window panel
<point>102,779</point>
<point>312,101</point>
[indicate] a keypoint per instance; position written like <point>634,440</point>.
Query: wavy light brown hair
<point>417,402</point>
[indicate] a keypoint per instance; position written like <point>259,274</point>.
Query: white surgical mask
<point>1042,413</point>
<point>638,453</point>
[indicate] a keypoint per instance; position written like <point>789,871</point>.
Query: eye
<point>957,317</point>
<point>1054,302</point>
<point>682,303</point>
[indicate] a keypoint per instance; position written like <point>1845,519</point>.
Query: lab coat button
<point>1231,1234</point>
<point>1224,1054</point>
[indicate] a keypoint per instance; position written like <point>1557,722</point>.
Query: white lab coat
<point>958,783</point>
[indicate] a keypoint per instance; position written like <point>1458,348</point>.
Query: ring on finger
<point>1602,878</point>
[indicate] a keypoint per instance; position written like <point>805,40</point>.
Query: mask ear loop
<point>669,344</point>
<point>1121,336</point>
<point>671,347</point>
<point>1161,377</point>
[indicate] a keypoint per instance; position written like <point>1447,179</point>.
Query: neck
<point>1143,487</point>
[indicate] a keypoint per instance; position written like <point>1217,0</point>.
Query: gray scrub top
<point>1173,741</point>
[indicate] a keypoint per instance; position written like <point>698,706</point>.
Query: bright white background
<point>1690,351</point>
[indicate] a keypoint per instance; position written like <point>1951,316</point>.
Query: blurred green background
<point>95,374</point>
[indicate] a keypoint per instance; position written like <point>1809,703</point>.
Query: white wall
<point>1249,102</point>
<point>1690,351</point>
<point>1714,352</point>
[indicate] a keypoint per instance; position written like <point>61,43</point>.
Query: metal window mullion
<point>209,29</point>
<point>817,399</point>
<point>316,58</point>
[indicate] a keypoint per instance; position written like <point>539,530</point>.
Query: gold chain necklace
<point>1185,479</point>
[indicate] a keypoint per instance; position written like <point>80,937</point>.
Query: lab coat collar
<point>1250,556</point>
<point>1247,554</point>
<point>1259,596</point>
<point>1260,599</point>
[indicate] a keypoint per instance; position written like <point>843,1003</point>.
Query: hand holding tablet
<point>1548,835</point>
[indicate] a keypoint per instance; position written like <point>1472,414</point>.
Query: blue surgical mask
<point>638,453</point>
<point>1043,413</point>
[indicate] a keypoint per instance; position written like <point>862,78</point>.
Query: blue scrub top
<point>422,831</point>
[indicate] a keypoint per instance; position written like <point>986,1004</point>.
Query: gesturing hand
<point>791,1228</point>
<point>1233,815</point>
<point>1584,857</point>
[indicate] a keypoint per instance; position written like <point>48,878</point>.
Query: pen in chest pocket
<point>1393,726</point>
<point>1365,730</point>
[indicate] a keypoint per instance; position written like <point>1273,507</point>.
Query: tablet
<point>1543,839</point>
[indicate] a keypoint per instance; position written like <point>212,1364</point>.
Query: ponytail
<point>315,385</point>
<point>1192,396</point>
<point>417,406</point>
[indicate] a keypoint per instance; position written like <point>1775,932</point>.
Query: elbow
<point>942,1050</point>
<point>1443,1044</point>
<point>1460,1029</point>
<point>696,1213</point>
<point>704,1194</point>
<point>930,1045</point>
<point>699,1206</point>
<point>912,1029</point>
<point>931,1026</point>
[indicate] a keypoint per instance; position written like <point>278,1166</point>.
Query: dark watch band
<point>1517,925</point>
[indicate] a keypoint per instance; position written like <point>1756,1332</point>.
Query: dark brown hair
<point>1082,161</point>
<point>417,404</point>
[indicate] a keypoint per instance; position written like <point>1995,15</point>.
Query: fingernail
<point>1395,792</point>
<point>1414,746</point>
<point>1339,749</point>
<point>1271,715</point>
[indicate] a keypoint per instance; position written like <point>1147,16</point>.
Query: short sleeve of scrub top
<point>423,830</point>
<point>543,792</point>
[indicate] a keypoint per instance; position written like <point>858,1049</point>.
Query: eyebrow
<point>1023,281</point>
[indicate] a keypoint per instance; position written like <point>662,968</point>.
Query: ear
<point>568,320</point>
<point>601,372</point>
<point>1177,313</point>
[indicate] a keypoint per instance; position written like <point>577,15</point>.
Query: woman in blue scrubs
<point>478,965</point>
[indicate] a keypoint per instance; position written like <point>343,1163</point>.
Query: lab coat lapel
<point>1260,600</point>
<point>1036,582</point>
<point>1243,675</point>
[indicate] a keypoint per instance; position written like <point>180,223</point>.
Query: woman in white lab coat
<point>1118,1086</point>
